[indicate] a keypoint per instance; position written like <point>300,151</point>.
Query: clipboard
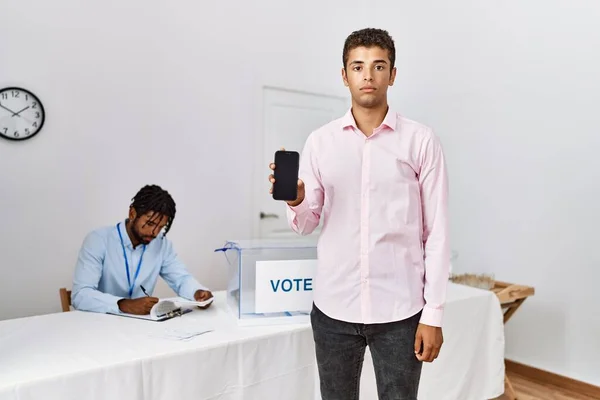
<point>172,314</point>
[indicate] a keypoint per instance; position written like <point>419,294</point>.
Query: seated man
<point>118,266</point>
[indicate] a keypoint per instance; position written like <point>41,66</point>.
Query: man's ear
<point>392,76</point>
<point>344,77</point>
<point>132,213</point>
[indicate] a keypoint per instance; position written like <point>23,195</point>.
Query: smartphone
<point>287,164</point>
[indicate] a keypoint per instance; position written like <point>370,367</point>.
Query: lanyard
<point>137,272</point>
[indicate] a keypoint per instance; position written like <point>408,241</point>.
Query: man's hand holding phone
<point>300,191</point>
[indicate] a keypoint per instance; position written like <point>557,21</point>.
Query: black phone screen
<point>287,164</point>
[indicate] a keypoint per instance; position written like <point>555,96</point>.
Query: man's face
<point>368,74</point>
<point>146,227</point>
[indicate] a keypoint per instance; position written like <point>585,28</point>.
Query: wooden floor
<point>530,390</point>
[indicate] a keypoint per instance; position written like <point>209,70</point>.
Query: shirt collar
<point>123,229</point>
<point>348,120</point>
<point>389,121</point>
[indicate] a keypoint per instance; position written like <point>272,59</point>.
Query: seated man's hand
<point>141,306</point>
<point>202,295</point>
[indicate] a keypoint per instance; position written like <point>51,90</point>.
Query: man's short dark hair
<point>370,37</point>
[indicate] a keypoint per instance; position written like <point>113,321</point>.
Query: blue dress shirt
<point>100,279</point>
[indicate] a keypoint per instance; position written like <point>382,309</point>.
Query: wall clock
<point>21,114</point>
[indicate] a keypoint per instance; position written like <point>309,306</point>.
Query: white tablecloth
<point>79,355</point>
<point>471,363</point>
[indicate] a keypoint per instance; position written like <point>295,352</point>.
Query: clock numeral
<point>37,114</point>
<point>35,124</point>
<point>15,94</point>
<point>5,131</point>
<point>26,97</point>
<point>17,134</point>
<point>27,131</point>
<point>34,105</point>
<point>4,96</point>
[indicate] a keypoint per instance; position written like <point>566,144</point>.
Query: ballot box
<point>270,281</point>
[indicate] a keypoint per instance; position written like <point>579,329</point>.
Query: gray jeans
<point>340,349</point>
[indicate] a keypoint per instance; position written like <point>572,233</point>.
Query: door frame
<point>261,172</point>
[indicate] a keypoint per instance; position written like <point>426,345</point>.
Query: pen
<point>144,290</point>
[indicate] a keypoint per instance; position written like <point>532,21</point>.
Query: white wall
<point>513,89</point>
<point>170,93</point>
<point>165,93</point>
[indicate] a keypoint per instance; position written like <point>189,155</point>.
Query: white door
<point>288,118</point>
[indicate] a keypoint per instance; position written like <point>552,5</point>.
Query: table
<point>470,365</point>
<point>80,355</point>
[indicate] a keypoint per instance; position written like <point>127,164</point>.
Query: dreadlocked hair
<point>155,199</point>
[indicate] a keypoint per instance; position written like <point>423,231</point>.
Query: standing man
<point>118,265</point>
<point>379,182</point>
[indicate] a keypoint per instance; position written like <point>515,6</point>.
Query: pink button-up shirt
<point>383,251</point>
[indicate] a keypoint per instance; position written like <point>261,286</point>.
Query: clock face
<point>21,114</point>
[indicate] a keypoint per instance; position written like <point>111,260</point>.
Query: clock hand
<point>11,111</point>
<point>17,113</point>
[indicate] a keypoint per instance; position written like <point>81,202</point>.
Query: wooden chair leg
<point>65,299</point>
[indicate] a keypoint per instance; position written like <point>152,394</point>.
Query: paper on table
<point>180,333</point>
